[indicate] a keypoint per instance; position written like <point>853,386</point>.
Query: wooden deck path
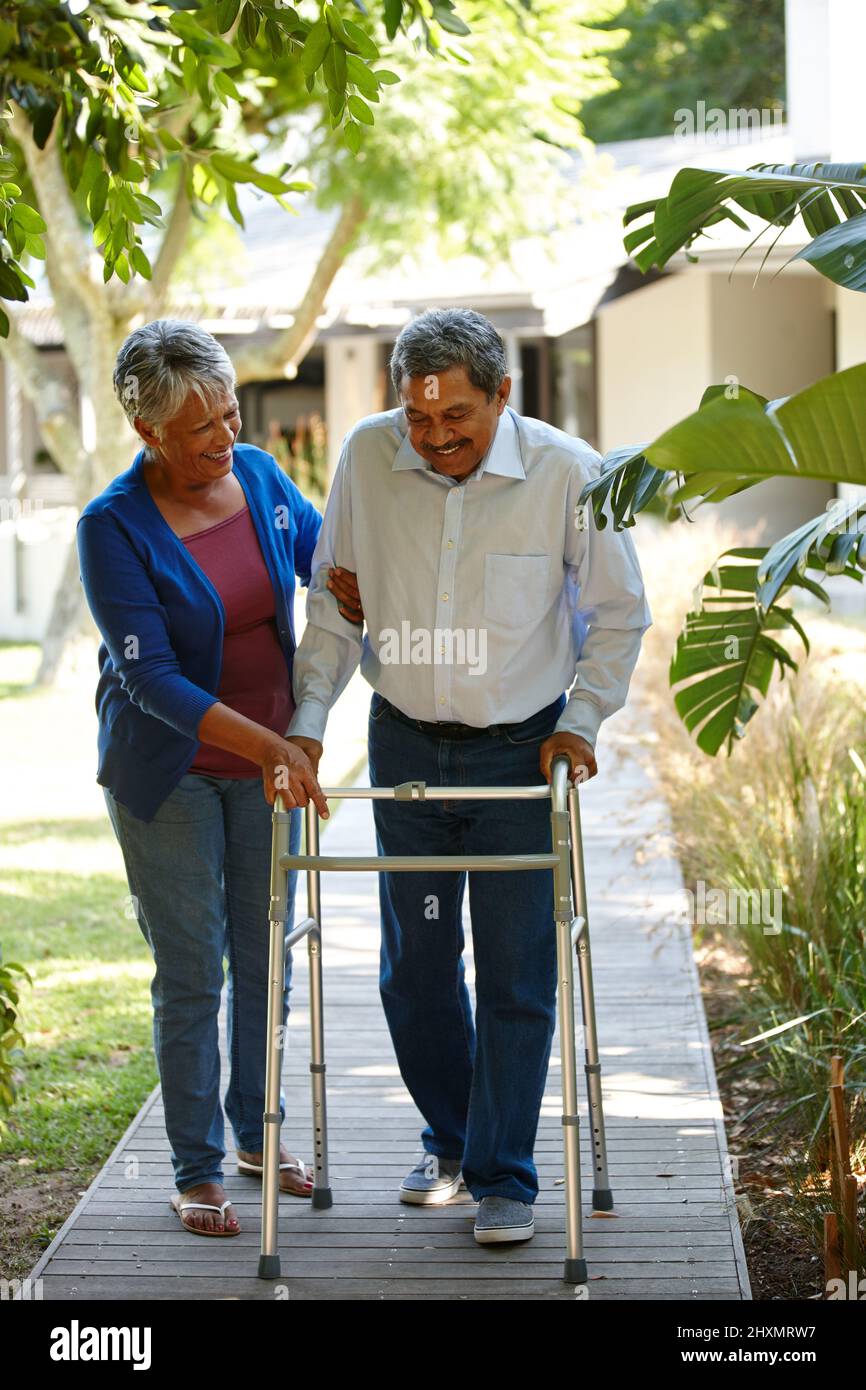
<point>675,1233</point>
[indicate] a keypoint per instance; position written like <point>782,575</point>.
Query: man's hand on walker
<point>344,586</point>
<point>287,770</point>
<point>580,755</point>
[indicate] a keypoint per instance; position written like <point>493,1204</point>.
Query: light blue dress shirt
<point>483,600</point>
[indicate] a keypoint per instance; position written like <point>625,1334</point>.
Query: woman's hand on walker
<point>287,770</point>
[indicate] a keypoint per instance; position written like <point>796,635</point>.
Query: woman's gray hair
<point>160,363</point>
<point>443,338</point>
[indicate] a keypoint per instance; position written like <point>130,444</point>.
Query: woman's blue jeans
<point>199,875</point>
<point>479,1084</point>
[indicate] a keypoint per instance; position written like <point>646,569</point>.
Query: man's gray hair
<point>443,338</point>
<point>160,363</point>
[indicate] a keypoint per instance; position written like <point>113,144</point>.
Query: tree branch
<point>292,345</point>
<point>57,208</point>
<point>170,247</point>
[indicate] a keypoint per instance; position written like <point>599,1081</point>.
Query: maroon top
<point>254,679</point>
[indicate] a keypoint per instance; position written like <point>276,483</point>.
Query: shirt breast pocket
<point>515,588</point>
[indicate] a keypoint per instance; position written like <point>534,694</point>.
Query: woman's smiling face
<point>451,422</point>
<point>196,445</point>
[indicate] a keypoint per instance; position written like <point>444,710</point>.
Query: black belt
<point>446,730</point>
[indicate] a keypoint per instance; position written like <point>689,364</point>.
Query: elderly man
<point>487,593</point>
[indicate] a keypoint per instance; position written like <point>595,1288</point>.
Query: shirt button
<point>441,699</point>
<point>450,544</point>
<point>445,596</point>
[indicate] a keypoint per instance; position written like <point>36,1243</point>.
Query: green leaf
<point>98,195</point>
<point>360,110</point>
<point>352,136</point>
<point>840,253</point>
<point>139,262</point>
<point>4,325</point>
<point>11,284</point>
<point>227,13</point>
<point>362,42</point>
<point>359,74</point>
<point>335,24</point>
<point>239,172</point>
<point>249,26</point>
<point>233,205</point>
<point>274,38</point>
<point>136,78</point>
<point>725,657</point>
<point>27,218</point>
<point>170,141</point>
<point>385,77</point>
<point>200,40</point>
<point>698,199</point>
<point>334,68</point>
<point>447,19</point>
<point>226,85</point>
<point>315,48</point>
<point>393,16</point>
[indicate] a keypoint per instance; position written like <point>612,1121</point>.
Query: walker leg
<point>322,1197</point>
<point>269,1259</point>
<point>602,1196</point>
<point>575,1264</point>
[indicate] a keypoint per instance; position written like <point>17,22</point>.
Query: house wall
<point>353,387</point>
<point>653,354</point>
<point>850,328</point>
<point>33,549</point>
<point>660,347</point>
<point>775,336</point>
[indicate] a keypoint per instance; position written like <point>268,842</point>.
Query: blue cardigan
<point>162,620</point>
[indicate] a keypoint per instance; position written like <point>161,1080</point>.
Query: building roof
<point>555,282</point>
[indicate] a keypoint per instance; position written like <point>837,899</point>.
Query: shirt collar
<point>502,457</point>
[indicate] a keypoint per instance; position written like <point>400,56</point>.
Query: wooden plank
<point>294,1266</point>
<point>368,1237</point>
<point>85,1288</point>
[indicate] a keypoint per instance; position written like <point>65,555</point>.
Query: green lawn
<point>88,1062</point>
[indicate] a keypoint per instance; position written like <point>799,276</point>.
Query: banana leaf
<point>826,196</point>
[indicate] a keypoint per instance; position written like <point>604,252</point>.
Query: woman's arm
<point>285,767</point>
<point>134,626</point>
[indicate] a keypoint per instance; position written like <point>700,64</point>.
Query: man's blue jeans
<point>478,1085</point>
<point>199,875</point>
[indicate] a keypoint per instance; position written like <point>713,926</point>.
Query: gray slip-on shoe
<point>432,1180</point>
<point>503,1218</point>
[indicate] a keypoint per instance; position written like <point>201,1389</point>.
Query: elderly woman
<point>188,561</point>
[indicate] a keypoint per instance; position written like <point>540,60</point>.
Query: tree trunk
<point>68,615</point>
<point>115,445</point>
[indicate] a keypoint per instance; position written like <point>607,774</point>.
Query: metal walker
<point>572,931</point>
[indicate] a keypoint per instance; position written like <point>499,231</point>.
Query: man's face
<point>451,422</point>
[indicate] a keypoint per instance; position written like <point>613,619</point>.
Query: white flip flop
<point>300,1168</point>
<point>181,1207</point>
